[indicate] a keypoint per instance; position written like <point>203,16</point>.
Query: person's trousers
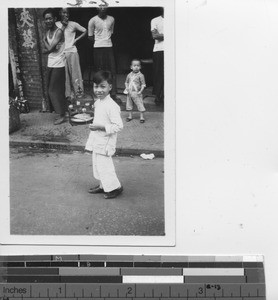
<point>104,60</point>
<point>56,89</point>
<point>137,99</point>
<point>104,171</point>
<point>73,73</point>
<point>158,75</point>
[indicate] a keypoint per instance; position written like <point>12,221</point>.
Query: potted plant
<point>14,112</point>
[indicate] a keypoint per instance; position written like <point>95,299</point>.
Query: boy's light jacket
<point>107,114</point>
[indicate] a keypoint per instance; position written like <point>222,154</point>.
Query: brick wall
<point>43,57</point>
<point>29,55</point>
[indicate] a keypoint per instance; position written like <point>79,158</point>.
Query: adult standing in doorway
<point>158,58</point>
<point>54,47</point>
<point>100,30</point>
<point>74,81</point>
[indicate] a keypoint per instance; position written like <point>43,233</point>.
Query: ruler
<point>101,277</point>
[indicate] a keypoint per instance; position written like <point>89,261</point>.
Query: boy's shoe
<point>96,190</point>
<point>114,193</point>
<point>142,121</point>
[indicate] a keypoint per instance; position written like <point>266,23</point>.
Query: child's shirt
<point>108,114</point>
<point>135,81</point>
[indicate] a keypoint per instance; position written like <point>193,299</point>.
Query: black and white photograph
<point>181,172</point>
<point>91,123</point>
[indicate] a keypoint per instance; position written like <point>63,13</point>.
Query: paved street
<point>49,195</point>
<point>37,129</point>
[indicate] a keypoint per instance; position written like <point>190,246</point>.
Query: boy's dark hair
<point>49,11</point>
<point>102,76</point>
<point>136,59</point>
<point>67,8</point>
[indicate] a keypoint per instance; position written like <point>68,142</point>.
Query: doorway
<point>131,39</point>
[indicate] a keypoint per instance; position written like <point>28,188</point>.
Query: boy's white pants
<point>104,171</point>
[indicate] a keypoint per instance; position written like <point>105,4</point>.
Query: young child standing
<point>103,136</point>
<point>135,84</point>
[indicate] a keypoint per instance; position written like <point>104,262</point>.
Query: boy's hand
<point>92,127</point>
<point>65,21</point>
<point>95,127</point>
<point>57,47</point>
<point>139,93</point>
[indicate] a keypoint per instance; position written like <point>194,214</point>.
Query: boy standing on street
<point>103,137</point>
<point>135,84</point>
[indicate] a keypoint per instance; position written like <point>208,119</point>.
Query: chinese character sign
<point>24,25</point>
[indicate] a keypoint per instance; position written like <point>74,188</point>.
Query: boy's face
<point>49,20</point>
<point>102,11</point>
<point>135,66</point>
<point>102,89</point>
<point>64,13</point>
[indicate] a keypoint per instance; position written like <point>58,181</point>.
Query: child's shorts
<point>137,99</point>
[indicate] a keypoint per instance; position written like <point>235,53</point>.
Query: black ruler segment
<point>254,275</point>
<point>29,271</point>
<point>121,264</point>
<point>64,264</point>
<point>215,265</point>
<point>206,298</point>
<point>147,264</point>
<point>120,258</point>
<point>109,277</point>
<point>12,264</point>
<point>92,279</point>
<point>91,263</point>
<point>33,264</point>
<point>253,265</point>
<point>30,279</point>
<point>58,279</point>
<point>174,264</point>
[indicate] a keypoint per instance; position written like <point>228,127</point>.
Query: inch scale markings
<point>145,291</point>
<point>112,277</point>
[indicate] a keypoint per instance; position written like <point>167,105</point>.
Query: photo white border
<point>169,136</point>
